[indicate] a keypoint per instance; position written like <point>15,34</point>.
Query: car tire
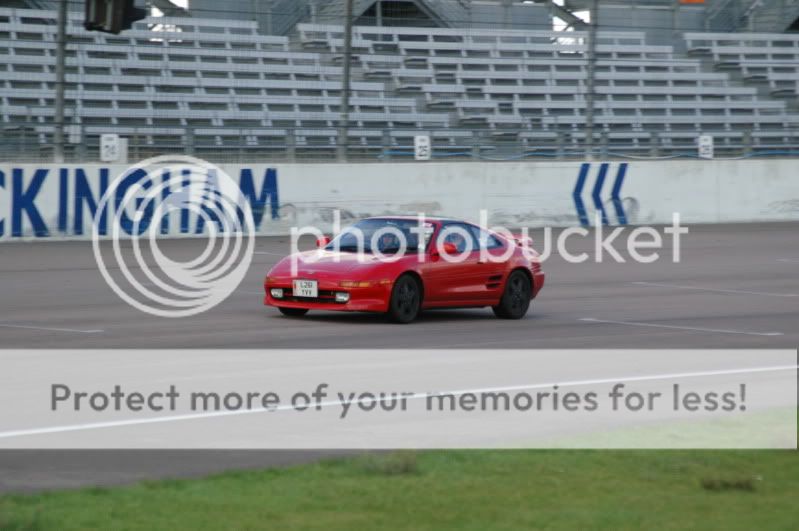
<point>515,299</point>
<point>293,312</point>
<point>406,300</point>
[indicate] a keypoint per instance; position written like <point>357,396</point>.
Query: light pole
<point>590,85</point>
<point>344,119</point>
<point>60,82</point>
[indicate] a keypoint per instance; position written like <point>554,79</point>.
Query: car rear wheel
<point>293,312</point>
<point>516,297</point>
<point>406,299</point>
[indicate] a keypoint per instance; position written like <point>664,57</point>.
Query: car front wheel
<point>516,297</point>
<point>406,299</point>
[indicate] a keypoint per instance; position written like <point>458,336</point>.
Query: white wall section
<point>59,201</point>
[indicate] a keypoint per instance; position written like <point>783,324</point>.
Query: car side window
<point>485,239</point>
<point>460,235</point>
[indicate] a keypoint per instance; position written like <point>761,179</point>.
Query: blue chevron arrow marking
<point>597,193</point>
<point>621,215</point>
<point>578,191</point>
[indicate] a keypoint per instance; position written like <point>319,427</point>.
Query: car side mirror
<point>448,248</point>
<point>322,241</point>
<point>523,241</point>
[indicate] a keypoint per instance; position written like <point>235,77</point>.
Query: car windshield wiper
<point>342,248</point>
<point>390,250</point>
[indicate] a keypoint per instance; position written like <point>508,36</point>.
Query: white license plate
<point>306,288</point>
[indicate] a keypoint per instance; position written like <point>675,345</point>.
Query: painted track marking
<point>734,291</point>
<point>50,329</point>
<point>675,327</point>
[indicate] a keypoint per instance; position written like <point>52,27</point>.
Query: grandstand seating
<point>224,90</point>
<point>217,81</point>
<point>533,83</point>
<point>768,58</point>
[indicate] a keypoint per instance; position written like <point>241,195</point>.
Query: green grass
<point>450,490</point>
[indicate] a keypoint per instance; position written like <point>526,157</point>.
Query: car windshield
<point>388,236</point>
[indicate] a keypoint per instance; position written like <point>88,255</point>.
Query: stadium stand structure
<point>775,15</point>
<point>219,89</point>
<point>532,84</point>
<point>765,59</point>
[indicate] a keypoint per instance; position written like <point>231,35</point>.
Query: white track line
<point>415,396</point>
<point>736,291</point>
<point>674,327</point>
<point>788,260</point>
<point>49,329</point>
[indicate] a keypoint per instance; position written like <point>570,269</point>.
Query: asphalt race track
<point>755,269</point>
<point>737,286</point>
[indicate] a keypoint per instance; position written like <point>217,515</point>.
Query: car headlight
<point>276,293</point>
<point>342,296</point>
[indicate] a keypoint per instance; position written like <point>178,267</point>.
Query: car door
<point>453,279</point>
<point>491,265</point>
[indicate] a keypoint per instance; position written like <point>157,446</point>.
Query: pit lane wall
<point>41,201</point>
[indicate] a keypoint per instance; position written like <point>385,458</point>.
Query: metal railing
<point>29,142</point>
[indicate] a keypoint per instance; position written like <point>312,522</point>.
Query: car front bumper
<point>373,298</point>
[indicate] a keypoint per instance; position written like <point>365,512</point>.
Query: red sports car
<point>401,265</point>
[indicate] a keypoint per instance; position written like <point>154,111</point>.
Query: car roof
<point>427,218</point>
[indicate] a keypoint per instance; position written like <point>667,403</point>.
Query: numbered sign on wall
<point>705,143</point>
<point>113,148</point>
<point>421,147</point>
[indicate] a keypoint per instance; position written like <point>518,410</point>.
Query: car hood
<point>327,263</point>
